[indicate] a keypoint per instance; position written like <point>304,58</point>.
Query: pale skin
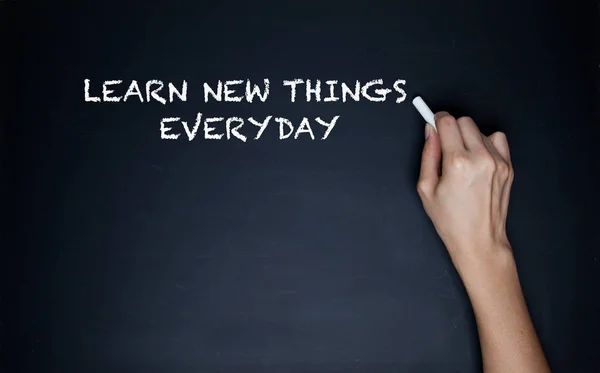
<point>464,184</point>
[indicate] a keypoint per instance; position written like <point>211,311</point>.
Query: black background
<point>134,254</point>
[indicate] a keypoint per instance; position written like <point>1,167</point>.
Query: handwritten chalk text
<point>237,91</point>
<point>218,128</point>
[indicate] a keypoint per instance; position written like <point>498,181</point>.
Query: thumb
<point>430,162</point>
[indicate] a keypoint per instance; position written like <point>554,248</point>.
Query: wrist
<point>492,263</point>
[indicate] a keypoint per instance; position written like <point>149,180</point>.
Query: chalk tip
<point>424,110</point>
<point>417,99</point>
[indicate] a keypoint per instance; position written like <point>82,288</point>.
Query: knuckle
<point>423,188</point>
<point>502,170</point>
<point>487,163</point>
<point>458,161</point>
<point>465,120</point>
<point>499,136</point>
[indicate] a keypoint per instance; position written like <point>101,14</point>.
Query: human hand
<point>464,185</point>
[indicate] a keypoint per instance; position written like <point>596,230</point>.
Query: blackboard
<point>127,252</point>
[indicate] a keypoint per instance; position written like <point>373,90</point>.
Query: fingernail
<point>440,114</point>
<point>427,130</point>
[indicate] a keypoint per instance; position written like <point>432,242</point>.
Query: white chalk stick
<point>424,110</point>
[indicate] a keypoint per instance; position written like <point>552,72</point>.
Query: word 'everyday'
<point>233,126</point>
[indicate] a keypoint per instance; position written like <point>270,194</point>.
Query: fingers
<point>498,147</point>
<point>430,164</point>
<point>503,173</point>
<point>449,133</point>
<point>501,144</point>
<point>470,134</point>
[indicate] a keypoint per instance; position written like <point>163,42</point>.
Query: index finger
<point>450,137</point>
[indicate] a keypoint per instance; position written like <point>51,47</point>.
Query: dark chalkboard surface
<point>131,253</point>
